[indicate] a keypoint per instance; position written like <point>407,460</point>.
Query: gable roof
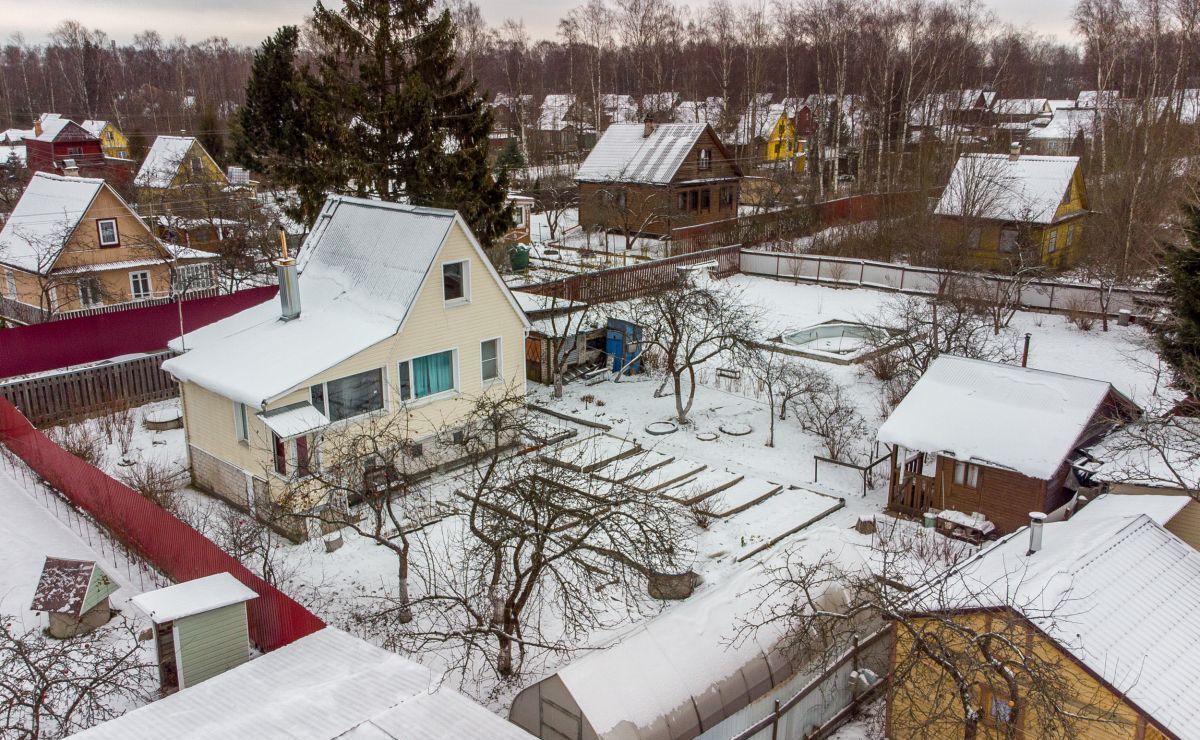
<point>1021,106</point>
<point>64,586</point>
<point>1116,592</point>
<point>94,127</point>
<point>997,415</point>
<point>708,111</point>
<point>164,160</point>
<point>325,685</point>
<point>53,126</point>
<point>361,269</point>
<point>1065,123</point>
<point>47,215</point>
<point>555,112</point>
<point>758,123</point>
<point>624,154</point>
<point>996,186</point>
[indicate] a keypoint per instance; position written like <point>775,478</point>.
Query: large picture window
<point>351,396</point>
<point>427,376</point>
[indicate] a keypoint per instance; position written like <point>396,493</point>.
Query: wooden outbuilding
<point>75,595</point>
<point>200,628</point>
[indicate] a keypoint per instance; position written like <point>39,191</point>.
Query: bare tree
<point>689,325</point>
<point>828,411</point>
<point>555,197</point>
<point>51,688</point>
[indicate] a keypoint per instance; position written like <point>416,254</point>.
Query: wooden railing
<point>913,494</point>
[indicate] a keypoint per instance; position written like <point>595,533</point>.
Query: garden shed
<point>75,595</point>
<point>200,628</point>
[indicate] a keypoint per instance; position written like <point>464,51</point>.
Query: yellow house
<point>1078,628</point>
<point>176,162</point>
<point>112,142</point>
<point>1005,208</point>
<point>400,316</point>
<point>73,243</point>
<point>769,134</point>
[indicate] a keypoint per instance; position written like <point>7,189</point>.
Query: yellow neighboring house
<point>1095,616</point>
<point>995,203</point>
<point>112,142</point>
<point>73,243</point>
<point>176,162</point>
<point>769,134</point>
<point>399,314</point>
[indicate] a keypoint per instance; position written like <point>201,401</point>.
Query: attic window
<point>106,228</point>
<point>706,159</point>
<point>454,281</point>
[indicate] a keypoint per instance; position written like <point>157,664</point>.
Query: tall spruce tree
<point>1179,335</point>
<point>392,115</point>
<point>270,130</point>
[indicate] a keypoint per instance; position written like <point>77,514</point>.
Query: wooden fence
<point>790,223</point>
<point>1047,295</point>
<point>79,394</point>
<point>622,283</point>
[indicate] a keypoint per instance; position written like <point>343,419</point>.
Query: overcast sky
<point>249,21</point>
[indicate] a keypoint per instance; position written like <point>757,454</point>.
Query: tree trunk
<point>404,613</point>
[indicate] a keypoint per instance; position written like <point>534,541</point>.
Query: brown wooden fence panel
<point>79,394</point>
<point>633,281</point>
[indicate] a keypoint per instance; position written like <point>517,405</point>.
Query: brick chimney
<point>648,127</point>
<point>1014,151</point>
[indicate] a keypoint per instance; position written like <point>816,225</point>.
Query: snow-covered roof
<point>968,99</point>
<point>758,122</point>
<point>163,160</point>
<point>64,586</point>
<point>700,111</point>
<point>661,102</point>
<point>510,101</point>
<point>1117,592</point>
<point>361,268</point>
<point>555,111</point>
<point>51,128</point>
<point>1154,453</point>
<point>193,597</point>
<point>1097,98</point>
<point>1065,124</point>
<point>1028,188</point>
<point>294,420</point>
<point>1161,508</point>
<point>16,135</point>
<point>1021,106</point>
<point>620,108</point>
<point>997,415</point>
<point>94,127</point>
<point>625,154</point>
<point>326,685</point>
<point>47,214</point>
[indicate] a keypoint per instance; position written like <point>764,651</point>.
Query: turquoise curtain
<point>433,374</point>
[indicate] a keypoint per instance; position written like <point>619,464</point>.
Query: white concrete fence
<point>1047,295</point>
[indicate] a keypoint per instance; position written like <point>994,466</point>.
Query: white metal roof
<point>294,420</point>
<point>193,597</point>
<point>996,186</point>
<point>995,414</point>
<point>1118,592</point>
<point>47,214</point>
<point>52,127</point>
<point>162,162</point>
<point>361,268</point>
<point>323,686</point>
<point>625,154</point>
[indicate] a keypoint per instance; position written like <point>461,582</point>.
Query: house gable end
<point>724,164</point>
<point>82,246</point>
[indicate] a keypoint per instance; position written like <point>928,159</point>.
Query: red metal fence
<point>622,283</point>
<point>55,344</point>
<point>141,525</point>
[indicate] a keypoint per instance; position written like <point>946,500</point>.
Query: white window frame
<point>241,423</point>
<point>455,387</point>
<point>499,361</point>
<point>1052,244</point>
<point>705,159</point>
<point>133,293</point>
<point>324,409</point>
<point>466,281</point>
<point>116,240</point>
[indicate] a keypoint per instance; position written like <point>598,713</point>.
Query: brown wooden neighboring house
<point>649,178</point>
<point>976,436</point>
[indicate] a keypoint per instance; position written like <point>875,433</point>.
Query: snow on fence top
<point>325,685</point>
<point>995,414</point>
<point>1118,592</point>
<point>193,597</point>
<point>625,154</point>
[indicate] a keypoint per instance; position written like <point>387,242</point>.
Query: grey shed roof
<point>624,154</point>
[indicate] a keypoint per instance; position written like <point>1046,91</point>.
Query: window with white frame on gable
<point>705,160</point>
<point>106,229</point>
<point>456,281</point>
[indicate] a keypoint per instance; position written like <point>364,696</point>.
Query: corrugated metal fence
<point>1048,295</point>
<point>141,525</point>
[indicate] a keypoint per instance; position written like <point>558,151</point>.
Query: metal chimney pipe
<point>1025,354</point>
<point>1036,522</point>
<point>289,282</point>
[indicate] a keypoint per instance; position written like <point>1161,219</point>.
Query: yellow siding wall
<point>184,175</point>
<point>432,326</point>
<point>781,144</point>
<point>113,142</point>
<point>922,702</point>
